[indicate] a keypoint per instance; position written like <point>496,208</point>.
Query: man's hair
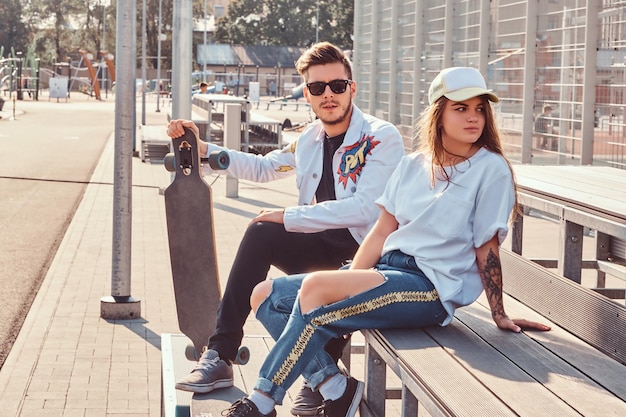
<point>203,84</point>
<point>547,107</point>
<point>320,54</point>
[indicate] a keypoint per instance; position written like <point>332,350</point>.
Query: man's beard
<point>341,118</point>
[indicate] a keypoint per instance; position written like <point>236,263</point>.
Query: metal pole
<point>143,63</point>
<point>317,23</point>
<point>37,81</point>
<point>120,305</point>
<point>104,47</point>
<point>528,91</point>
<point>159,59</point>
<point>232,140</point>
<point>181,60</point>
<point>589,83</point>
<point>20,95</point>
<point>238,79</point>
<point>204,57</point>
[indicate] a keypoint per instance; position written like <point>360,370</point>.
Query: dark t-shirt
<point>542,124</point>
<point>326,190</point>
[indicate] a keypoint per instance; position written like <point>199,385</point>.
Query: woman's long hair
<point>430,141</point>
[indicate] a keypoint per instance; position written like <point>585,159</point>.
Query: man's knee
<point>259,236</point>
<point>262,229</point>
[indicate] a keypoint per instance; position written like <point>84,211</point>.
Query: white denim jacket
<point>371,150</point>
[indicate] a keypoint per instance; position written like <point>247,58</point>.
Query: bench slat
<point>591,316</point>
<point>431,374</point>
<point>501,362</point>
<point>553,367</point>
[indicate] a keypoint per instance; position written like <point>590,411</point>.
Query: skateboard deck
<point>189,214</point>
<point>214,403</point>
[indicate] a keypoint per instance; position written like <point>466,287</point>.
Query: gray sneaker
<point>210,373</point>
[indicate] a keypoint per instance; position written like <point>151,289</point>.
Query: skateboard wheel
<point>243,356</point>
<point>219,160</point>
<point>190,353</point>
<point>170,162</point>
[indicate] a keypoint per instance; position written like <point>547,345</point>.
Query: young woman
<point>434,248</point>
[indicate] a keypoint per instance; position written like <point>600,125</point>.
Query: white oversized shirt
<point>440,226</point>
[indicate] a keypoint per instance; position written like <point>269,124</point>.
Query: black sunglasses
<point>317,88</point>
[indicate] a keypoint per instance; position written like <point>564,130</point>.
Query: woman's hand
<point>517,325</point>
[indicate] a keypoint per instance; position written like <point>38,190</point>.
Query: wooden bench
<point>471,368</point>
<point>259,133</point>
<point>580,198</point>
<point>154,144</point>
<point>265,133</point>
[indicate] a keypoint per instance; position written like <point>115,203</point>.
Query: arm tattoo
<point>491,276</point>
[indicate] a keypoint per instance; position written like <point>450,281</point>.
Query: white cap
<point>459,84</point>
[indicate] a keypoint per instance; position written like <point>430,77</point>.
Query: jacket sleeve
<point>359,208</point>
<point>274,165</point>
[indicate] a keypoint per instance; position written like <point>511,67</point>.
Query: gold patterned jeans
<point>406,299</point>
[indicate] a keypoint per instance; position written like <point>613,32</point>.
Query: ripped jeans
<point>406,299</point>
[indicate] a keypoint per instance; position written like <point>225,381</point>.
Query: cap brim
<point>470,92</point>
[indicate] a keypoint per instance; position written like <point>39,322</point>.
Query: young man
<point>204,87</point>
<point>542,128</point>
<point>341,162</point>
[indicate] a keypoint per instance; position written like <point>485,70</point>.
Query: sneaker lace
<point>206,364</point>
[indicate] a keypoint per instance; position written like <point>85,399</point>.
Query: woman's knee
<point>260,292</point>
<point>315,291</point>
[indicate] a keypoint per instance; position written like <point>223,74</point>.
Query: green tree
<point>61,28</point>
<point>50,22</point>
<point>337,22</point>
<point>241,23</point>
<point>287,22</point>
<point>152,32</point>
<point>13,32</point>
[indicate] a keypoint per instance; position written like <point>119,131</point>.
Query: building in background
<point>235,66</point>
<point>570,54</point>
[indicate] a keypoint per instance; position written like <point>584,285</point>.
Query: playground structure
<point>97,77</point>
<point>21,75</point>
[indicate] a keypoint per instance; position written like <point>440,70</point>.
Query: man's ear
<point>305,92</point>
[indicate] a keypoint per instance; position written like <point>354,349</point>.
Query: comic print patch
<point>353,160</point>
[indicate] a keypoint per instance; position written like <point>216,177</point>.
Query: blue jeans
<point>406,299</point>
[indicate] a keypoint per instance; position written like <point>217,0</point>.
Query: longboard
<point>214,403</point>
<point>189,214</point>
